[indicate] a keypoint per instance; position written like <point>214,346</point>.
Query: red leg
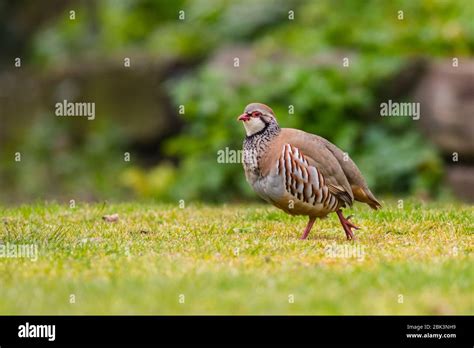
<point>308,227</point>
<point>347,225</point>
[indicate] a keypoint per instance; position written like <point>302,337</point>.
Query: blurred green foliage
<point>53,165</point>
<point>284,62</point>
<point>335,102</point>
<point>151,184</point>
<point>390,152</point>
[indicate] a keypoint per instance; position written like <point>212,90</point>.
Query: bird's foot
<point>347,225</point>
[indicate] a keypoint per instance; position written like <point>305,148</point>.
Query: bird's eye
<point>256,114</point>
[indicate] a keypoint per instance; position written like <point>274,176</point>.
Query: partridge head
<point>299,172</point>
<point>256,117</point>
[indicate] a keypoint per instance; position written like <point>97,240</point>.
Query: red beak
<point>244,117</point>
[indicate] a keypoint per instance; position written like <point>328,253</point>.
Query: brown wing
<point>319,156</point>
<point>358,184</point>
<point>305,181</point>
<point>342,177</point>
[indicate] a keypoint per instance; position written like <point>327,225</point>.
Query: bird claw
<point>347,225</point>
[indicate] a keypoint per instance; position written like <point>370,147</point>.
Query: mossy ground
<point>237,259</point>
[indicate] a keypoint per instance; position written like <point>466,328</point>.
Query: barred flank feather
<point>306,183</point>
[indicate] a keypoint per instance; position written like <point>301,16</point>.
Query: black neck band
<point>260,131</point>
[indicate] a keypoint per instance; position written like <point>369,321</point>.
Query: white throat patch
<point>254,125</point>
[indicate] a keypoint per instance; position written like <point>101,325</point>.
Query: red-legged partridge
<point>298,172</point>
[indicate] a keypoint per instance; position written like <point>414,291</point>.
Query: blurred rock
<point>132,97</point>
<point>461,180</point>
<point>446,94</point>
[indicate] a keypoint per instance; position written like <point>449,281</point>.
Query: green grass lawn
<point>237,259</point>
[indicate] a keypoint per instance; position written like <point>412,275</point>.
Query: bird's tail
<point>363,194</point>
